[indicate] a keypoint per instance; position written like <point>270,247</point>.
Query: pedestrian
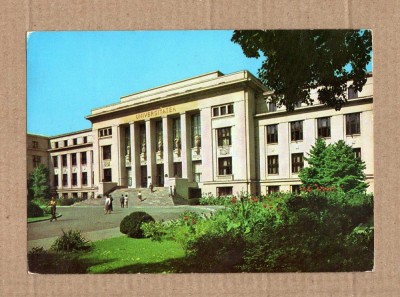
<point>126,200</point>
<point>139,196</point>
<point>53,205</point>
<point>151,187</point>
<point>107,205</point>
<point>170,191</point>
<point>122,200</point>
<point>111,204</point>
<point>174,191</point>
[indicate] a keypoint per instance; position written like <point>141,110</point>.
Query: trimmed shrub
<point>68,201</point>
<point>34,210</point>
<point>131,224</point>
<point>69,241</point>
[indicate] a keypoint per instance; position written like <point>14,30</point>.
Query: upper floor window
<point>352,93</point>
<point>105,132</point>
<point>65,180</point>
<point>271,106</point>
<point>297,162</point>
<point>64,160</point>
<point>84,178</point>
<point>272,133</point>
<point>324,127</point>
<point>84,139</point>
<point>106,152</point>
<point>36,161</point>
<point>74,179</point>
<point>35,144</point>
<point>196,130</point>
<point>224,136</point>
<point>296,129</point>
<point>357,152</point>
<point>142,136</point>
<point>75,141</point>
<point>353,123</point>
<point>225,166</point>
<point>83,158</point>
<point>176,132</point>
<point>73,159</point>
<point>56,144</point>
<point>222,110</point>
<point>159,135</point>
<point>65,142</point>
<point>273,165</point>
<point>55,161</point>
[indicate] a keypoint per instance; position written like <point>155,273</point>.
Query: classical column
<point>206,143</point>
<point>69,172</point>
<point>115,156</point>
<point>60,172</point>
<point>167,143</point>
<point>78,170</point>
<point>186,146</point>
<point>89,168</point>
<point>151,151</point>
<point>135,154</point>
<point>96,159</point>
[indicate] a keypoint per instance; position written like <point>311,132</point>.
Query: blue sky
<point>70,73</point>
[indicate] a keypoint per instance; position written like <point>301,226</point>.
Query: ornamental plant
<point>131,224</point>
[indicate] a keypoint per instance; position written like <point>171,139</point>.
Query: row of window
<point>74,179</point>
<point>73,159</point>
<point>323,128</point>
<point>66,142</point>
<point>105,132</point>
<point>84,195</point>
<point>297,162</point>
<point>222,110</point>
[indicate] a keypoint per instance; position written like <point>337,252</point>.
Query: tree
<point>297,61</point>
<point>39,185</point>
<point>334,165</point>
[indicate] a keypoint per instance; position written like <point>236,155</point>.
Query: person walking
<point>126,200</point>
<point>111,204</point>
<point>170,191</point>
<point>107,205</point>
<point>53,205</point>
<point>139,196</point>
<point>122,200</point>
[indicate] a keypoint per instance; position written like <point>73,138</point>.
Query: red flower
<point>265,206</point>
<point>193,221</point>
<point>255,199</point>
<point>233,200</point>
<point>185,218</point>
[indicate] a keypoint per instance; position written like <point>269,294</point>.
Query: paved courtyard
<point>94,224</point>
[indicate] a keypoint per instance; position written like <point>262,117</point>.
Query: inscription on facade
<point>155,113</point>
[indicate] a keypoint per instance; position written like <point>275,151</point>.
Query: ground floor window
<point>84,178</point>
<point>225,166</point>
<point>178,169</point>
<point>84,195</point>
<point>55,182</point>
<point>224,191</point>
<point>196,171</point>
<point>107,175</point>
<point>272,189</point>
<point>296,189</point>
<point>75,195</point>
<point>65,180</point>
<point>65,195</point>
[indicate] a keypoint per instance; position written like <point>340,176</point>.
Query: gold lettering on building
<point>155,113</point>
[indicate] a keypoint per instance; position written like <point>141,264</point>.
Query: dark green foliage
<point>334,165</point>
<point>38,183</point>
<point>69,241</point>
<point>68,201</point>
<point>131,224</point>
<point>319,57</point>
<point>34,210</point>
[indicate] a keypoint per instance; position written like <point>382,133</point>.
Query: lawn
<point>128,255</point>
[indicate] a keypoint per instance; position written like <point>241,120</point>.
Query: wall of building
<point>37,147</point>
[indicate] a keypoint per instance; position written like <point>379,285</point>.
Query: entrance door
<point>143,176</point>
<point>160,175</point>
<point>129,175</point>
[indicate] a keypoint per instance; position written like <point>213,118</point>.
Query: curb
<point>47,219</point>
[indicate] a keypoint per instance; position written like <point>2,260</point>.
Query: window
<point>222,110</point>
<point>127,131</point>
<point>73,159</point>
<point>55,161</point>
<point>273,189</point>
<point>107,175</point>
<point>85,141</point>
<point>272,134</point>
<point>195,128</point>
<point>296,189</point>
<point>84,195</point>
<point>36,161</point>
<point>271,106</point>
<point>65,195</point>
<point>142,133</point>
<point>74,179</point>
<point>105,132</point>
<point>65,180</point>
<point>296,130</point>
<point>224,136</point>
<point>297,162</point>
<point>196,166</point>
<point>84,178</point>
<point>353,123</point>
<point>159,135</point>
<point>178,169</point>
<point>75,141</point>
<point>65,142</point>
<point>297,104</point>
<point>225,166</point>
<point>55,181</point>
<point>64,160</point>
<point>273,164</point>
<point>83,158</point>
<point>324,127</point>
<point>224,191</point>
<point>56,144</point>
<point>357,152</point>
<point>107,152</point>
<point>35,144</point>
<point>352,93</point>
<point>176,132</point>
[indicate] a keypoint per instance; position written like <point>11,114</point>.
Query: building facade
<point>213,133</point>
<point>37,151</point>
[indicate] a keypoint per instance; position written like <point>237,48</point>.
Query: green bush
<point>69,241</point>
<point>68,201</point>
<point>34,210</point>
<point>131,224</point>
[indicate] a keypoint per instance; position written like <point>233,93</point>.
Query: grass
<point>128,255</point>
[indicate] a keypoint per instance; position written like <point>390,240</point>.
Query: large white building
<point>211,133</point>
